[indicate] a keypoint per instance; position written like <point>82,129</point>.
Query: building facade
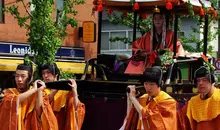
<point>11,32</point>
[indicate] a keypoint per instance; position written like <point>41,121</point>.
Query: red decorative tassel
<point>202,12</point>
<point>215,14</point>
<point>144,16</point>
<point>136,6</point>
<point>169,5</point>
<point>109,11</point>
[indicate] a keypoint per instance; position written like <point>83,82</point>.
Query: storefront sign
<point>21,49</point>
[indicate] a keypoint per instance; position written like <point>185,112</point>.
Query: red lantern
<point>109,11</point>
<point>136,6</point>
<point>202,12</point>
<point>215,14</point>
<point>100,8</point>
<point>169,5</point>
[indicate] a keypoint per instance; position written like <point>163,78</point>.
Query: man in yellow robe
<point>155,110</point>
<point>202,111</point>
<point>67,108</point>
<point>26,109</point>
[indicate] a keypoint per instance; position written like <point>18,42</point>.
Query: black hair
<point>53,69</point>
<point>30,72</point>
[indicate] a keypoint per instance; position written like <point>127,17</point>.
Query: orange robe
<point>68,117</point>
<point>201,114</point>
<point>14,116</point>
<point>162,114</point>
<point>144,43</point>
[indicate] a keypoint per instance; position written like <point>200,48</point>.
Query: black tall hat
<point>205,71</point>
<point>153,74</point>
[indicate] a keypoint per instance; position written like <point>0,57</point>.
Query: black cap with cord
<point>205,71</point>
<point>153,74</point>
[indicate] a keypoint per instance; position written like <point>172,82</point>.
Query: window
<point>130,34</point>
<point>1,11</point>
<point>118,46</point>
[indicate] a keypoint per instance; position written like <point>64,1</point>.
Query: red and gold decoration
<point>156,10</point>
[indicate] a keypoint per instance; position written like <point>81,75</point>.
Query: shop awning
<point>74,67</point>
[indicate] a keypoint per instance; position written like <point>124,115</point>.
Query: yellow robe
<point>201,114</point>
<point>68,117</point>
<point>161,110</point>
<point>14,116</point>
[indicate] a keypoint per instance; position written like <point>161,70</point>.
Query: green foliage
<point>45,34</point>
<point>166,59</point>
<point>127,19</point>
<point>66,75</point>
<point>121,39</point>
<point>200,22</point>
<point>218,78</point>
<point>143,25</point>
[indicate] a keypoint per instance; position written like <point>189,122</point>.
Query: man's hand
<point>41,83</point>
<point>75,94</point>
<point>132,91</point>
<point>73,86</point>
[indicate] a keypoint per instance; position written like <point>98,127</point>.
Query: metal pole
<point>175,34</point>
<point>205,35</point>
<point>135,26</point>
<point>218,54</point>
<point>99,32</point>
